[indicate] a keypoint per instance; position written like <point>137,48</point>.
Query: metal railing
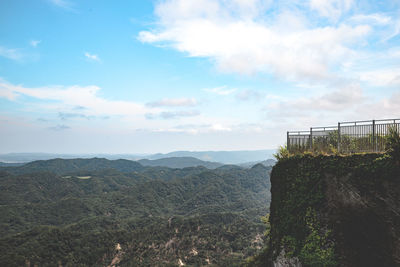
<point>346,137</point>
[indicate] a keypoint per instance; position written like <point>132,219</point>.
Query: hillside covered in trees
<point>180,162</point>
<point>97,212</point>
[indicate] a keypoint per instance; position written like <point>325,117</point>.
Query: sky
<point>151,76</point>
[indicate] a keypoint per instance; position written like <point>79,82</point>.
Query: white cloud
<point>197,128</point>
<point>331,102</point>
<point>395,30</point>
<point>171,10</point>
<point>92,57</point>
<point>332,9</point>
<point>73,103</point>
<point>388,26</point>
<point>60,127</point>
<point>375,18</point>
<point>247,44</point>
<point>71,115</point>
<point>69,97</point>
<point>390,106</point>
<point>7,91</point>
<point>10,53</point>
<point>220,128</point>
<point>222,90</point>
<point>63,4</point>
<point>247,95</point>
<point>326,109</point>
<point>386,107</point>
<point>382,77</point>
<point>166,115</point>
<point>174,102</point>
<point>8,94</point>
<point>34,43</point>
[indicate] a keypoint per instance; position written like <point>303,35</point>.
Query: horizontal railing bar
<point>326,127</point>
<point>386,121</point>
<point>356,123</point>
<point>299,132</point>
<point>368,121</point>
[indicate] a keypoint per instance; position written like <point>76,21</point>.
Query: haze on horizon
<point>159,76</point>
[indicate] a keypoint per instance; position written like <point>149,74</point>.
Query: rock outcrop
<point>335,211</point>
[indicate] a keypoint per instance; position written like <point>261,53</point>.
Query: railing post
<point>373,136</point>
<point>311,141</point>
<point>287,141</point>
<point>338,139</point>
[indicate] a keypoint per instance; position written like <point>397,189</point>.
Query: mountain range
<point>99,212</point>
<point>180,162</point>
<point>224,157</point>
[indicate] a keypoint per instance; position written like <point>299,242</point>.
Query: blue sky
<point>158,76</point>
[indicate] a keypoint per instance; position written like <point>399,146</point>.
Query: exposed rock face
<point>335,211</point>
<point>283,261</point>
<point>366,220</point>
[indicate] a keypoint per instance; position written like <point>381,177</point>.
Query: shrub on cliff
<point>283,153</point>
<point>393,143</point>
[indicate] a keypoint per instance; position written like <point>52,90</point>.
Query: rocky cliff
<point>334,211</point>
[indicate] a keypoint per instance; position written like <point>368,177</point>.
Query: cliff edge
<point>334,211</point>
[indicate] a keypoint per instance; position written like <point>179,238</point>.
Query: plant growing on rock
<point>393,143</point>
<point>283,153</point>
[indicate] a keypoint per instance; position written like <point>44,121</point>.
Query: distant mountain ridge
<point>65,166</point>
<point>224,157</point>
<point>180,162</point>
<point>7,164</point>
<point>29,157</point>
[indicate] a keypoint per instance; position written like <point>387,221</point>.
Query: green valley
<point>126,214</point>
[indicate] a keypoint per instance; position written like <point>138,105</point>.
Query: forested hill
<point>97,212</point>
<point>226,157</point>
<point>65,166</point>
<point>6,164</point>
<point>180,162</point>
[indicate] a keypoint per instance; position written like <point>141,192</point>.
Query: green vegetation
<point>283,153</point>
<point>393,143</point>
<point>328,144</point>
<point>4,164</point>
<point>179,162</point>
<point>317,249</point>
<point>67,166</point>
<point>157,215</point>
<point>299,189</point>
